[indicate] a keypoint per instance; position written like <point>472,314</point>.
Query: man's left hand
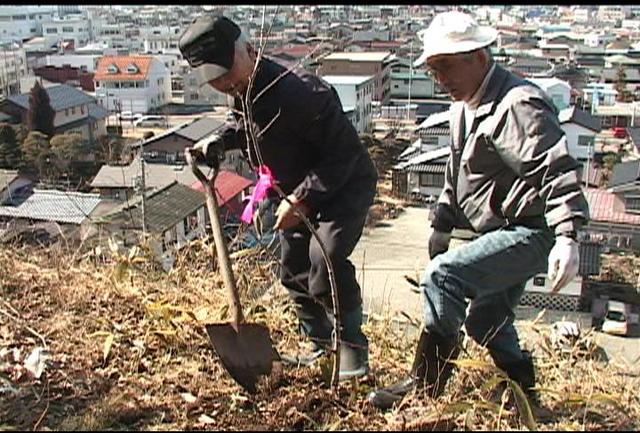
<point>564,261</point>
<point>285,214</point>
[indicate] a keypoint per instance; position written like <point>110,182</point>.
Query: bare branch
<point>266,128</point>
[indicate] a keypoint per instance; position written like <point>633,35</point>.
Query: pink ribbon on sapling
<point>265,181</point>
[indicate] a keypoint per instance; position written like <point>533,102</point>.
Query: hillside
<point>127,350</point>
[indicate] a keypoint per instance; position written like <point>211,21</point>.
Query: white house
<point>580,128</point>
<point>558,90</point>
<point>23,22</point>
<point>355,93</point>
<point>68,29</point>
<point>434,131</point>
<point>156,40</point>
<point>132,83</point>
<point>600,93</point>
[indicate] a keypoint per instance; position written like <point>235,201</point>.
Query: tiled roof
<point>200,128</point>
<point>434,168</point>
<point>156,175</point>
<point>624,173</point>
<point>97,111</point>
<point>583,118</point>
<point>164,208</point>
<point>227,186</point>
<point>53,205</point>
<point>602,208</point>
<point>122,63</point>
<point>61,97</point>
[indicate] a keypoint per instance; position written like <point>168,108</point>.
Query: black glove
<point>209,151</point>
<point>438,243</point>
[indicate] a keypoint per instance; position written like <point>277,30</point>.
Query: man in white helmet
<point>511,180</point>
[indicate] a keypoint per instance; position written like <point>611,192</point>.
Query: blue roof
<point>97,111</point>
<point>61,97</point>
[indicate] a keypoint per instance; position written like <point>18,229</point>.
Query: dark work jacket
<point>307,141</point>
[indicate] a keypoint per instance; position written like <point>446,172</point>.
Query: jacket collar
<point>486,105</point>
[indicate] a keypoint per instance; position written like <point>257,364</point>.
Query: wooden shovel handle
<point>218,237</point>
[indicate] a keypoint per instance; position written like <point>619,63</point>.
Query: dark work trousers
<point>305,275</point>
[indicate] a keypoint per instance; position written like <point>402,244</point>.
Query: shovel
<point>245,349</point>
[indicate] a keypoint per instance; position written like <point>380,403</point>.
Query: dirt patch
<point>127,350</point>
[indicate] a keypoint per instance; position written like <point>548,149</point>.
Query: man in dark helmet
<point>315,155</point>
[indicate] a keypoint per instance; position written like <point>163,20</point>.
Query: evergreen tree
<point>10,154</point>
<point>65,149</point>
<point>40,115</point>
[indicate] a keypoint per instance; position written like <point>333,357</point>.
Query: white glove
<point>438,243</point>
<point>564,260</point>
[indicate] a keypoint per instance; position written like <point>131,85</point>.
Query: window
<point>432,179</point>
<point>632,203</point>
<point>51,30</point>
<point>73,110</point>
<point>586,140</point>
<point>132,69</point>
<point>429,140</point>
<point>66,111</point>
<point>67,29</point>
<point>193,96</point>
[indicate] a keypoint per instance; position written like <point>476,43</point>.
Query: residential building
<point>558,90</point>
<point>139,84</point>
<point>614,214</point>
<point>355,93</point>
<point>85,62</point>
<point>420,176</point>
<point>580,129</point>
<point>20,23</point>
<point>365,63</point>
<point>416,85</point>
<point>202,95</point>
<point>75,111</point>
<point>173,215</point>
<point>158,39</point>
<point>68,29</point>
<point>66,75</point>
<point>13,186</point>
<point>13,67</point>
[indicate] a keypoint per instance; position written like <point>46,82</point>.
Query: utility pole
<point>143,192</point>
<point>410,77</point>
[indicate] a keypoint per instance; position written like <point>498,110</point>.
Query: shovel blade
<point>245,354</point>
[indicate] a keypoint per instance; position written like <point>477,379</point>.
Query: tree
<point>40,115</point>
<point>10,154</point>
<point>36,153</point>
<point>66,148</point>
<point>621,87</point>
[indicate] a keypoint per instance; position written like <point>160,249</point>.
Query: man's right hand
<point>438,243</point>
<point>209,150</point>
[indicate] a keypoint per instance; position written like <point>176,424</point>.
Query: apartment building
<point>158,40</point>
<point>19,23</point>
<point>355,93</point>
<point>68,29</point>
<point>362,63</point>
<point>139,84</point>
<point>13,67</point>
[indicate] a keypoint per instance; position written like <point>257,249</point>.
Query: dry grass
<point>128,351</point>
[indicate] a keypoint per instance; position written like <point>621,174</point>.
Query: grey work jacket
<point>513,167</point>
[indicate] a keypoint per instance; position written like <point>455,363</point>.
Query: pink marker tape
<point>265,181</point>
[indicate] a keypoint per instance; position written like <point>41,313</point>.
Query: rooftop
<point>373,56</point>
<point>347,79</point>
<point>53,205</point>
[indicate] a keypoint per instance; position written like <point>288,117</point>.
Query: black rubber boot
<point>430,371</point>
<point>523,373</point>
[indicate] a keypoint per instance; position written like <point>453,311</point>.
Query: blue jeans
<point>491,271</point>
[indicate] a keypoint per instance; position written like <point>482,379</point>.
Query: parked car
<point>619,318</point>
<point>130,116</point>
<point>620,132</point>
<point>151,121</point>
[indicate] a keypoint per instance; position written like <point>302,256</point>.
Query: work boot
<point>429,372</point>
<point>354,346</point>
<point>314,324</point>
<point>522,372</point>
